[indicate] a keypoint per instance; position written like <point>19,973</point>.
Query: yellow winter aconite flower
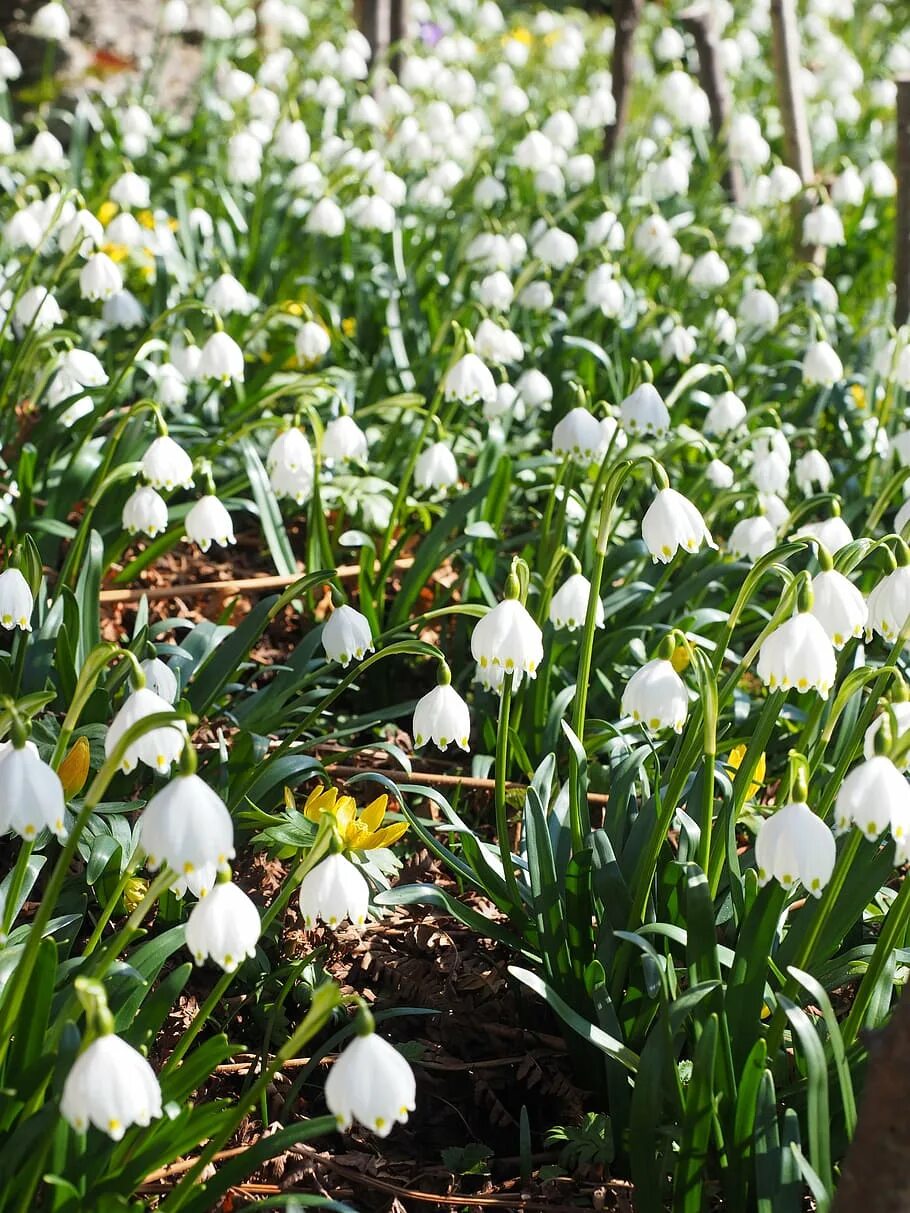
<point>292,308</point>
<point>116,252</point>
<point>349,326</point>
<point>520,34</point>
<point>106,211</point>
<point>73,771</point>
<point>858,392</point>
<point>358,832</point>
<point>680,659</point>
<point>737,754</point>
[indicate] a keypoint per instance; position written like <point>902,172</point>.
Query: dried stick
<point>902,249</point>
<point>626,16</point>
<point>699,21</point>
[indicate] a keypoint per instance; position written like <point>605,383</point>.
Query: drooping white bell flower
<point>469,381</point>
<point>812,469</point>
<point>612,437</point>
<point>157,748</point>
<point>799,655</point>
<point>124,311</point>
<point>831,533</point>
<point>874,796</point>
<point>326,219</point>
<point>145,512</point>
<point>838,606</point>
<point>436,467</point>
<point>720,474</point>
<point>508,637</point>
<point>110,1086</point>
<point>793,846</point>
<point>557,249</point>
<point>346,635</point>
<point>899,715</point>
<point>752,538</point>
<point>578,436</point>
<point>334,892</point>
<point>823,226</point>
<point>37,309</point>
<point>769,473</point>
<point>644,412</point>
<point>821,365</point>
<point>221,359</point>
<point>166,465</point>
<point>569,605</point>
<point>16,601</point>
<point>759,310</point>
<point>443,717</point>
<point>495,343</point>
<point>100,278</point>
<point>312,343</point>
<point>604,290</point>
<point>290,465</point>
<point>371,1083</point>
<point>31,794</point>
<point>344,440</point>
<point>656,697</point>
<point>187,827</point>
<point>889,605</point>
<point>673,522</point>
<point>209,522</point>
<point>160,678</point>
<point>50,22</point>
<point>227,296</point>
<point>131,192</point>
<point>709,272</point>
<point>534,390</point>
<point>223,925</point>
<point>727,413</point>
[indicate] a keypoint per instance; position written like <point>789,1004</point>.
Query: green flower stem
<point>579,820</point>
<point>124,937</point>
<point>102,655</point>
<point>110,906</point>
<point>15,886</point>
<point>502,817</point>
<point>893,931</point>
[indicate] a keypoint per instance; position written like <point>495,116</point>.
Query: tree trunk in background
<point>373,19</point>
<point>626,16</point>
<point>902,237</point>
<point>398,28</point>
<point>699,21</point>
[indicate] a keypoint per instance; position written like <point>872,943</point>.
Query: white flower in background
<point>798,655</point>
<point>496,291</point>
<point>496,343</point>
<point>709,272</point>
<point>159,747</point>
<point>612,438</point>
<point>312,343</point>
<point>848,189</point>
<point>727,413</point>
<point>813,469</point>
<point>124,311</point>
<point>667,178</point>
<point>669,45</point>
<point>793,846</point>
<point>534,390</point>
<point>824,295</point>
<point>507,637</point>
<point>346,635</point>
<point>469,381</point>
<point>874,796</point>
<point>656,697</point>
<point>831,533</point>
<point>889,605</point>
<point>569,605</point>
<point>823,226</point>
<point>902,517</point>
<point>881,179</point>
<point>334,892</point>
<point>821,365</point>
<point>23,230</point>
<point>784,183</point>
<point>224,926</point>
<point>747,144</point>
<point>899,715</point>
<point>131,192</point>
<point>371,1083</point>
<point>187,827</point>
<point>10,67</point>
<point>221,359</point>
<point>84,368</point>
<point>326,219</point>
<point>605,232</point>
<point>654,239</point>
<point>51,22</point>
<point>46,151</point>
<point>228,296</point>
<point>100,278</point>
<point>145,512</point>
<point>344,440</point>
<point>672,522</point>
<point>578,436</point>
<point>759,310</point>
<point>644,412</point>
<point>290,465</point>
<point>743,233</point>
<point>536,296</point>
<point>16,601</point>
<point>436,467</point>
<point>678,344</point>
<point>442,716</point>
<point>604,290</point>
<point>110,1086</point>
<point>556,249</point>
<point>292,141</point>
<point>166,465</point>
<point>31,794</point>
<point>244,163</point>
<point>769,472</point>
<point>838,606</point>
<point>720,474</point>
<point>160,678</point>
<point>209,522</point>
<point>38,310</point>
<point>64,388</point>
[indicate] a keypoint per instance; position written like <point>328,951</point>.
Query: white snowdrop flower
<point>312,343</point>
<point>124,311</point>
<point>442,716</point>
<point>334,892</point>
<point>784,183</point>
<point>16,601</point>
<point>569,605</point>
<point>824,295</point>
<point>798,655</point>
<point>644,412</point>
<point>46,151</point>
<point>290,465</point>
<point>489,192</point>
<point>874,796</point>
<point>469,381</point>
<point>157,748</point>
<point>759,310</point>
<point>244,158</point>
<point>901,445</point>
<point>678,344</point>
<point>496,291</point>
<point>889,605</point>
<point>727,413</point>
<point>7,138</point>
<point>64,388</point>
<point>902,517</point>
<point>667,178</point>
<point>656,697</point>
<point>672,522</point>
<point>743,233</point>
<point>669,45</point>
<point>770,473</point>
<point>534,389</point>
<point>752,538</point>
<point>292,142</point>
<point>221,359</point>
<point>720,474</point>
<point>145,512</point>
<point>605,232</point>
<point>346,635</point>
<point>171,388</point>
<point>227,296</point>
<point>795,846</point>
<point>747,144</point>
<point>823,226</point>
<point>900,712</point>
<point>84,367</point>
<point>371,1083</point>
<point>344,440</point>
<point>496,343</point>
<point>166,465</point>
<point>604,290</point>
<point>881,179</point>
<point>578,436</point>
<point>100,278</point>
<point>23,231</point>
<point>131,192</point>
<point>831,533</point>
<point>848,188</point>
<point>436,467</point>
<point>10,67</point>
<point>160,678</point>
<point>654,239</point>
<point>838,606</point>
<point>224,926</point>
<point>326,219</point>
<point>187,827</point>
<point>31,794</point>
<point>813,469</point>
<point>50,22</point>
<point>110,1086</point>
<point>125,229</point>
<point>709,272</point>
<point>612,438</point>
<point>821,365</point>
<point>209,522</point>
<point>37,309</point>
<point>507,636</point>
<point>371,213</point>
<point>556,249</point>
<point>535,151</point>
<point>580,171</point>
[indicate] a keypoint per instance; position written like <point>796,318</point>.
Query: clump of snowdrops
<point>622,484</point>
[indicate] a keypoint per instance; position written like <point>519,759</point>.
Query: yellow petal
<point>73,771</point>
<point>345,813</point>
<point>373,814</point>
<point>384,837</point>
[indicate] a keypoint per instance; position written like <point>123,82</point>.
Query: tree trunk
<point>626,16</point>
<point>699,21</point>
